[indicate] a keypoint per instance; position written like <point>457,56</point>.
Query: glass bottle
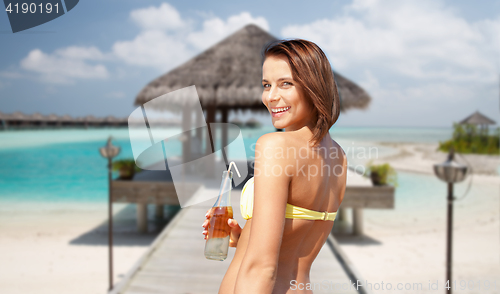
<point>217,244</point>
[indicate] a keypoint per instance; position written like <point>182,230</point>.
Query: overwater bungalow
<point>90,121</point>
<point>19,120</point>
<point>53,120</point>
<point>110,121</point>
<point>3,124</point>
<point>66,120</point>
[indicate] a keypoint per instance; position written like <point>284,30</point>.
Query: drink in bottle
<point>218,229</point>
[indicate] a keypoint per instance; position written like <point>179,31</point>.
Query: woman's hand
<point>234,236</point>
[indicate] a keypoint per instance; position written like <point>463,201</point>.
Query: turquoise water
<point>65,165</point>
<point>392,134</point>
<point>56,172</point>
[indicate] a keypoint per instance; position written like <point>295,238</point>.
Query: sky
<point>425,63</point>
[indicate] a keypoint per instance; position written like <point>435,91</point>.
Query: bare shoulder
<point>270,159</point>
<point>270,147</point>
<point>274,139</point>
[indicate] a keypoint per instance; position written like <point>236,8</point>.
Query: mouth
<point>277,112</point>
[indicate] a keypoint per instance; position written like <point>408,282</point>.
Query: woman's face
<point>283,96</point>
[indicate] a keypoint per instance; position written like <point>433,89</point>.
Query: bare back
<point>318,184</point>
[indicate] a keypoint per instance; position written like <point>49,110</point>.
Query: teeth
<point>280,109</point>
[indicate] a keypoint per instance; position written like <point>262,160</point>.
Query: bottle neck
<point>224,198</point>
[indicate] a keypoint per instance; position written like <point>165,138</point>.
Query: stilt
<point>142,217</point>
<point>159,212</point>
<point>357,221</point>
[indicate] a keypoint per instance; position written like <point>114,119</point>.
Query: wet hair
<point>312,71</point>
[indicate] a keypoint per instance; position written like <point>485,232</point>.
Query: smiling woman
<point>291,202</point>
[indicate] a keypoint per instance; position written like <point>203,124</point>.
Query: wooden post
<point>341,223</point>
<point>199,132</point>
<point>210,141</point>
<point>357,221</point>
<point>142,217</point>
<point>110,224</point>
<point>159,211</point>
<point>224,132</point>
<point>449,237</point>
<point>224,112</point>
<point>342,215</point>
<point>186,130</point>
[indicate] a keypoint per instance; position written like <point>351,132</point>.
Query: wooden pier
<point>175,262</point>
<point>157,188</point>
<point>361,194</point>
<point>19,120</point>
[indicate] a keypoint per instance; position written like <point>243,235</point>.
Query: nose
<point>273,94</point>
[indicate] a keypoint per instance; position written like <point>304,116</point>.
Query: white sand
<point>408,245</point>
<point>62,248</point>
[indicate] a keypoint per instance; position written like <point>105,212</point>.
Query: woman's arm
<point>259,266</point>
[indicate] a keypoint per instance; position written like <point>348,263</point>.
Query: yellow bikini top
<point>292,211</point>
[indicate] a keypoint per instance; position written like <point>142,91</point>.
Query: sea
<point>64,165</point>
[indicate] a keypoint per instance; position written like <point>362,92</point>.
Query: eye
<point>266,85</point>
<point>287,84</point>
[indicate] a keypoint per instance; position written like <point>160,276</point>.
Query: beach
<point>62,248</point>
<point>407,245</point>
<point>60,245</point>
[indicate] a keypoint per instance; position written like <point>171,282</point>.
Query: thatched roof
<point>66,118</point>
<point>52,117</point>
<point>111,119</point>
<point>89,118</point>
<point>477,118</point>
<point>351,95</point>
<point>229,73</point>
<point>36,117</point>
<point>17,116</point>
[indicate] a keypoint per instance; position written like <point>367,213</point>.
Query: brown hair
<point>311,69</point>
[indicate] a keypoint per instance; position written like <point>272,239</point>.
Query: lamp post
<point>109,151</point>
<point>450,172</point>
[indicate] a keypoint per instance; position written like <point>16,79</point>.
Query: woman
<point>299,175</point>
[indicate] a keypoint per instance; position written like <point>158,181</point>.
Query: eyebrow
<point>280,79</point>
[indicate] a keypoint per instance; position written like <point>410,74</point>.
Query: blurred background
<point>416,78</point>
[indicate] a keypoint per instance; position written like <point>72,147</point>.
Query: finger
<point>205,224</point>
<point>235,227</point>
